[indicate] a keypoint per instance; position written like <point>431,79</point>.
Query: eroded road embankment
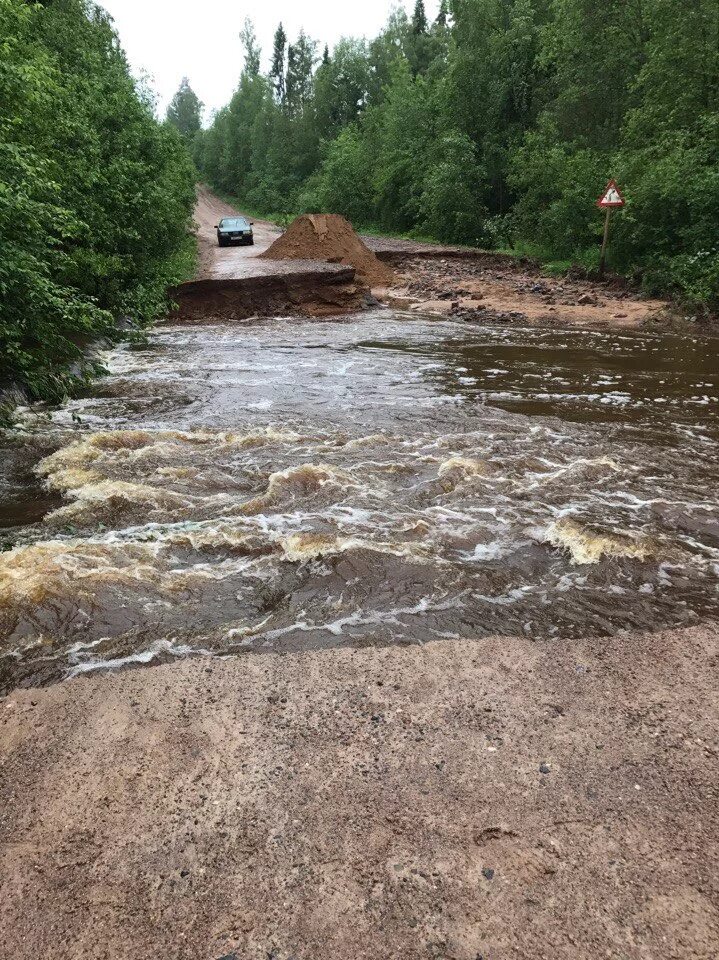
<point>298,288</point>
<point>235,283</point>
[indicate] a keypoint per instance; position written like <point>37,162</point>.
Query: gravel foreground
<point>490,799</point>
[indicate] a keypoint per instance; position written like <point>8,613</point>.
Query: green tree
<point>419,18</point>
<point>407,121</point>
<point>453,206</point>
<point>344,183</point>
<point>95,196</point>
<point>500,121</point>
<point>386,50</point>
<point>301,59</point>
<point>250,48</point>
<point>185,111</point>
<point>341,87</point>
<point>632,91</point>
<point>494,78</point>
<point>277,69</point>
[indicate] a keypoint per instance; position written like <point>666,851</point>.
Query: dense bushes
<point>499,123</point>
<point>95,195</point>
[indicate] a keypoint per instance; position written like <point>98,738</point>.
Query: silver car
<point>234,230</point>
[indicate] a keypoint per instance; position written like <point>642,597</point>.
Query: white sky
<point>199,38</point>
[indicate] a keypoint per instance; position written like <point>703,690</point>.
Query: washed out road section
<point>471,285</point>
<point>236,282</point>
<point>424,616</point>
<point>386,479</point>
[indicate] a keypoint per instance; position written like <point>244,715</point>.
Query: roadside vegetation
<point>96,196</point>
<point>498,124</point>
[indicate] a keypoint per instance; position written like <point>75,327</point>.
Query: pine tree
<point>301,59</point>
<point>185,110</point>
<point>443,14</point>
<point>421,48</point>
<point>277,70</point>
<point>291,80</point>
<point>419,18</point>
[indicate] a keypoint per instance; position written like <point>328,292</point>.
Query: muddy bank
<point>497,798</point>
<point>474,286</point>
<point>487,288</point>
<point>299,288</point>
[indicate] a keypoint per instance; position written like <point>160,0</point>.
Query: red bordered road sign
<point>611,197</point>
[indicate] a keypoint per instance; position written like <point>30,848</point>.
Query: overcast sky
<point>199,38</point>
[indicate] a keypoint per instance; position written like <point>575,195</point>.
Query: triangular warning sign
<point>611,197</point>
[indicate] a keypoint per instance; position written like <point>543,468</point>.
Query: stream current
<point>384,478</point>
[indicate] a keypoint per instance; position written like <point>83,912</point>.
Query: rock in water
<point>330,237</point>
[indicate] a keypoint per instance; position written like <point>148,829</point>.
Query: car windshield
<point>233,223</point>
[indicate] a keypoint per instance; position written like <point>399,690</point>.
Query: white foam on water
<point>512,596</point>
<point>143,656</point>
<point>371,449</point>
<point>486,551</point>
<point>366,618</point>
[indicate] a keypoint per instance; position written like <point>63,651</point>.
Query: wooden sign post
<point>609,200</point>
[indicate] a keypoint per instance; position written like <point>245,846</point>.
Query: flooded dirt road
<point>380,479</point>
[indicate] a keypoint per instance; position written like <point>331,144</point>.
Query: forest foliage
<point>96,196</point>
<point>497,124</point>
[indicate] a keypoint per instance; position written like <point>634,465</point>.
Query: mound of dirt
<point>330,237</point>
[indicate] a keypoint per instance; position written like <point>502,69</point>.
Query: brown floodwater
<point>385,478</point>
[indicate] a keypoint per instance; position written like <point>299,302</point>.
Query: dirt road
<point>234,283</point>
<point>228,262</point>
<point>496,799</point>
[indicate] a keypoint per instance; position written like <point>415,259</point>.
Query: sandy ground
<point>221,263</point>
<point>491,288</point>
<point>494,799</point>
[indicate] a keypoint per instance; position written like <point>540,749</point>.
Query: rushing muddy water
<point>288,484</point>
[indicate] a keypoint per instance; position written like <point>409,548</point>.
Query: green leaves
<point>95,196</point>
<point>453,206</point>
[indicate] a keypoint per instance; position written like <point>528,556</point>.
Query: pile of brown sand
<point>330,237</point>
